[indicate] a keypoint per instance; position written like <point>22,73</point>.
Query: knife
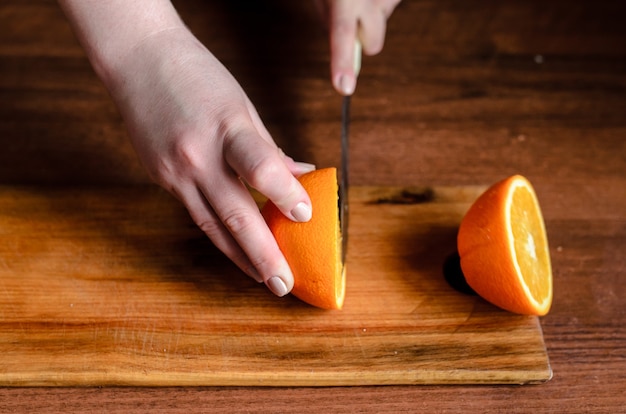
<point>345,160</point>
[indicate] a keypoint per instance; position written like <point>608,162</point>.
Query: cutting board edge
<point>424,377</point>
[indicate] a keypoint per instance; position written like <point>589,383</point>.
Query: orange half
<point>503,246</point>
<point>313,249</point>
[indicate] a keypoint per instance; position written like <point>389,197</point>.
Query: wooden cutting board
<point>116,286</point>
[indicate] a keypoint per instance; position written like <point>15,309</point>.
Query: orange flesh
<point>530,244</point>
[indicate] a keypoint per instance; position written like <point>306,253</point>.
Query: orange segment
<point>503,247</point>
<point>313,249</point>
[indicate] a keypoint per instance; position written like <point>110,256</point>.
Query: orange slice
<point>313,249</point>
<point>503,247</point>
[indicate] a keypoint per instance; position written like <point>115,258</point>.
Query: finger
<point>343,32</point>
<point>205,218</point>
<point>237,210</point>
<point>296,168</point>
<point>388,6</point>
<point>372,28</point>
<point>260,164</point>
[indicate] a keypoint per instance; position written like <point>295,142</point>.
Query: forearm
<point>109,30</point>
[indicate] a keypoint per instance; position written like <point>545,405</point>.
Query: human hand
<point>349,21</point>
<point>199,136</point>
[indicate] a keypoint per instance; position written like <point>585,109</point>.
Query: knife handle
<point>357,57</point>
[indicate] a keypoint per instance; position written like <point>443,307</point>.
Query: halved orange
<point>503,246</point>
<point>313,249</point>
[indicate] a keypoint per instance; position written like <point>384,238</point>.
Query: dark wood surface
<point>464,93</point>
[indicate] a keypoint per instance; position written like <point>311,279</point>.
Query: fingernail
<point>302,212</point>
<point>277,286</point>
<point>304,167</point>
<point>347,84</point>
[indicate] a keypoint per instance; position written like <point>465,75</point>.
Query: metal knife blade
<point>345,159</point>
<point>343,179</point>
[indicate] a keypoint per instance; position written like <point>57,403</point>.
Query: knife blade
<point>345,160</point>
<point>343,183</point>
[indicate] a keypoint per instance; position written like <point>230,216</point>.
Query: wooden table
<point>465,93</point>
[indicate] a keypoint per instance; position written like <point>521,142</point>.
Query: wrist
<point>110,31</point>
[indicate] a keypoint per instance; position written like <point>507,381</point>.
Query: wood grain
<point>118,287</point>
<point>464,93</point>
